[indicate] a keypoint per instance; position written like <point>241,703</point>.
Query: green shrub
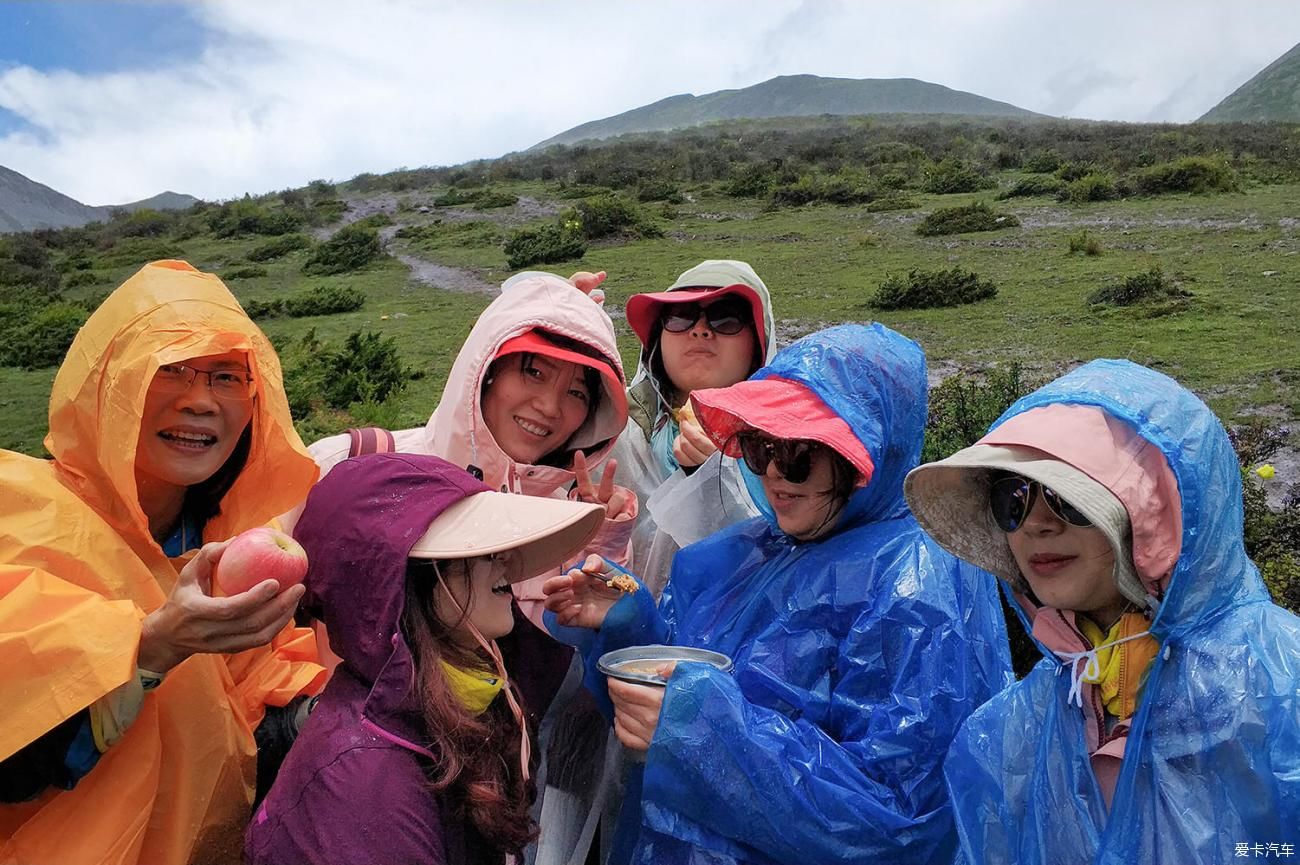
<point>79,278</point>
<point>441,235</point>
<point>350,248</point>
<point>839,188</point>
<point>139,251</point>
<point>959,220</point>
<point>1139,288</point>
<point>659,190</point>
<point>610,215</point>
<point>326,212</point>
<point>260,309</point>
<point>42,339</point>
<point>1042,162</point>
<point>1190,174</point>
<point>893,201</point>
<point>1071,171</point>
<point>367,368</point>
<point>279,247</point>
<point>546,244</point>
<point>1037,184</point>
<point>455,198</point>
<point>1097,186</point>
<point>751,180</point>
<point>953,175</point>
<point>494,198</point>
<point>237,218</point>
<point>251,271</point>
<point>927,289</point>
<point>1084,242</point>
<point>324,300</point>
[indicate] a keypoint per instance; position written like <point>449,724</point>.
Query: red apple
<point>261,554</point>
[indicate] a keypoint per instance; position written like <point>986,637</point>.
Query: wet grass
<point>1236,341</point>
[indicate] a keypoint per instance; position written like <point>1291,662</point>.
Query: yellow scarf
<point>1123,667</point>
<point>476,689</point>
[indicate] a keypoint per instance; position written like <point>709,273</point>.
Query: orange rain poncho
<point>79,571</point>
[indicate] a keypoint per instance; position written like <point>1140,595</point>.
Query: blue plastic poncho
<point>1212,759</point>
<point>857,656</point>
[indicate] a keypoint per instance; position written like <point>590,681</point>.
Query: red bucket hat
<point>783,409</point>
<point>643,310</point>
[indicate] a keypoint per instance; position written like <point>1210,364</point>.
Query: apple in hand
<point>261,554</point>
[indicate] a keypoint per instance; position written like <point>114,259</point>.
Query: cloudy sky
<point>113,102</point>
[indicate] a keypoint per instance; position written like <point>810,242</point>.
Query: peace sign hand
<point>616,499</point>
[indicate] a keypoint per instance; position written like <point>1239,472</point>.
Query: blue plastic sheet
<point>1213,757</point>
<point>856,658</point>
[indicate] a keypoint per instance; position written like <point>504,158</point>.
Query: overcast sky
<point>112,102</point>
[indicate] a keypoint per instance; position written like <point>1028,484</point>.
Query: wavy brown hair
<point>478,755</point>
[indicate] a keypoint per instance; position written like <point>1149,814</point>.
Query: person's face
<point>485,595</point>
<point>701,357</point>
<point>1068,567</point>
<point>190,426</point>
<point>808,509</point>
<point>534,404</point>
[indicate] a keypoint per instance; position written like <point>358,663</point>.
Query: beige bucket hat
<point>950,499</point>
<point>547,532</point>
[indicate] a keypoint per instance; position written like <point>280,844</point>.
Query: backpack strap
<point>370,440</point>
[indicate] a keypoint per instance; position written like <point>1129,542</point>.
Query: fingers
<point>586,489</point>
<point>561,583</point>
<point>593,565</point>
<point>607,481</point>
<point>198,570</point>
<point>633,741</point>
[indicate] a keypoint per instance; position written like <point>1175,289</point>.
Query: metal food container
<point>639,663</point>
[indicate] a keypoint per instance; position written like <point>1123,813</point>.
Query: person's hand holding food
<point>582,597</point>
<point>692,446</point>
<point>637,708</point>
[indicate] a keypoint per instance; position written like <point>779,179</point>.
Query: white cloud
<point>289,91</point>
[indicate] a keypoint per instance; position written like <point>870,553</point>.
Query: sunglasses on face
<point>793,457</point>
<point>1012,498</point>
<point>727,316</point>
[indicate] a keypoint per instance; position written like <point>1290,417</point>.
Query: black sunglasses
<point>1012,498</point>
<point>727,316</point>
<point>793,457</point>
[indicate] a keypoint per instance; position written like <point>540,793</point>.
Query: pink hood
<point>457,432</point>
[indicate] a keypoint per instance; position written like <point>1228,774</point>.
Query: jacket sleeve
<point>77,644</point>
<point>276,673</point>
<point>861,784</point>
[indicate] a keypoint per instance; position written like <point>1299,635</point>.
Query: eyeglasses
<point>727,316</point>
<point>793,457</point>
<point>224,383</point>
<point>1012,498</point>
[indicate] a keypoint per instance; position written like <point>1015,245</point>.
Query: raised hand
<point>586,281</point>
<point>192,622</point>
<point>579,599</point>
<point>616,500</point>
<point>692,445</point>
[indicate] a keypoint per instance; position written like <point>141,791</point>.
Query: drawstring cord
<point>1091,668</point>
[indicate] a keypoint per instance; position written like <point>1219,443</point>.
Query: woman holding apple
<point>132,687</point>
<point>420,748</point>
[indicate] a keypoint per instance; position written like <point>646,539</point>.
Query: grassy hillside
<point>1273,94</point>
<point>793,96</point>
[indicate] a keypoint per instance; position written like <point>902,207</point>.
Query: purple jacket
<point>353,789</point>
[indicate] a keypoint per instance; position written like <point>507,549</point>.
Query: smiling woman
<point>132,693</point>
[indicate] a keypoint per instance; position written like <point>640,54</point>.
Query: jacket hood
<point>1211,573</point>
<point>713,273</point>
<point>874,378</point>
<point>357,527</point>
<point>168,312</point>
<point>457,431</point>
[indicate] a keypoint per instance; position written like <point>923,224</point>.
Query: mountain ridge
<point>1273,93</point>
<point>793,96</point>
<point>26,205</point>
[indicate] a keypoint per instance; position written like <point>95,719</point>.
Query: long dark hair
<point>203,500</point>
<point>478,755</point>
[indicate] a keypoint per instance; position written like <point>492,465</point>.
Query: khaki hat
<point>950,499</point>
<point>547,532</point>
